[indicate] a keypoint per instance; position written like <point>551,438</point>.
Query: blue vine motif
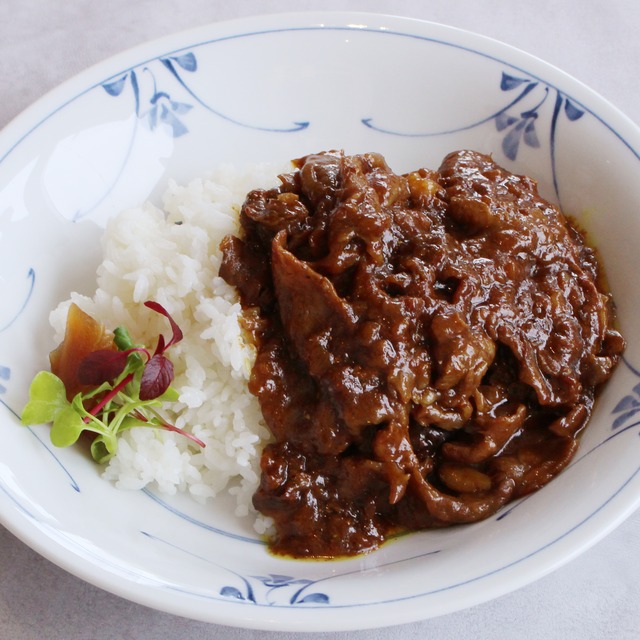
<point>278,589</point>
<point>163,98</point>
<point>162,108</point>
<point>5,371</point>
<point>629,405</point>
<point>5,374</point>
<point>198,523</point>
<point>517,126</point>
<point>31,281</point>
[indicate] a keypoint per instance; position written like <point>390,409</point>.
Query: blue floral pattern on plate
<point>518,127</point>
<point>279,589</point>
<point>160,108</point>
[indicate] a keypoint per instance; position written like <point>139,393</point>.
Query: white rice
<point>149,256</point>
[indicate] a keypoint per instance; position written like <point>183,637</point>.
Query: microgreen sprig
<point>127,387</point>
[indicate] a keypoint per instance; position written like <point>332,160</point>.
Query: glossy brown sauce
<point>429,345</point>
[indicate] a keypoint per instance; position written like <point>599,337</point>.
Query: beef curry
<point>429,345</point>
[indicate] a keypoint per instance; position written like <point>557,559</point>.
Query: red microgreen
<point>156,378</point>
<point>108,397</point>
<point>101,366</point>
<point>177,332</point>
<point>171,427</point>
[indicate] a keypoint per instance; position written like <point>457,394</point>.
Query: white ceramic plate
<point>270,89</point>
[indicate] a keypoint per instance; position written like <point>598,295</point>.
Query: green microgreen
<point>126,389</point>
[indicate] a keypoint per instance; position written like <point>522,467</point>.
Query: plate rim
<point>18,129</point>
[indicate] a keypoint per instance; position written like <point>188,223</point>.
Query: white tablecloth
<point>43,42</point>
